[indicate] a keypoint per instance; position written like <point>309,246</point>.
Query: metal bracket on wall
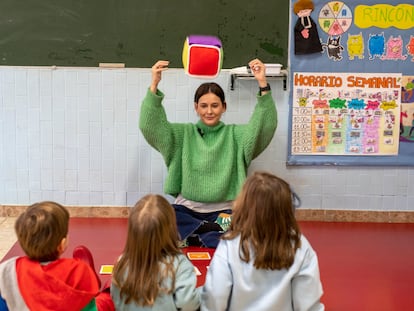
<point>246,76</point>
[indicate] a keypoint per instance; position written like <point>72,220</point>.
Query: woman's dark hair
<point>210,87</point>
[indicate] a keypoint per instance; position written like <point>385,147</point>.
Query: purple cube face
<point>204,40</point>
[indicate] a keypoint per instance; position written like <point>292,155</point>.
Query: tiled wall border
<point>75,211</point>
<point>355,216</point>
<point>302,214</point>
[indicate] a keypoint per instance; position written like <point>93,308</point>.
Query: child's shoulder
<point>8,264</point>
<point>180,257</point>
<point>71,263</point>
<point>182,260</point>
<point>7,261</point>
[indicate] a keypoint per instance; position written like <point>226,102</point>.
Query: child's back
<point>26,284</point>
<point>240,286</point>
<point>263,262</point>
<point>42,280</point>
<point>152,273</point>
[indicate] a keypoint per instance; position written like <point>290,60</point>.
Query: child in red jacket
<point>42,280</point>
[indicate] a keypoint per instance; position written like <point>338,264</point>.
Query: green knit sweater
<point>211,167</point>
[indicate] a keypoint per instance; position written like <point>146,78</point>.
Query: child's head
<point>42,230</point>
<point>265,198</point>
<point>152,240</point>
<point>152,223</point>
<point>263,216</point>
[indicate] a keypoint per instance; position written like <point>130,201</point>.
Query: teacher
<point>207,161</point>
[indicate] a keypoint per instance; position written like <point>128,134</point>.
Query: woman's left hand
<point>258,69</point>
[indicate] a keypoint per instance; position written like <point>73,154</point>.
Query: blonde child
<point>152,272</point>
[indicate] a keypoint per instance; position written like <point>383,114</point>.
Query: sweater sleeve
<point>186,295</point>
<point>258,133</point>
<point>155,127</point>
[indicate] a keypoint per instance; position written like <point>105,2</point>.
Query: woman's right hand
<point>156,71</point>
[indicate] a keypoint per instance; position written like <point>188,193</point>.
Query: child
<point>42,280</point>
<point>152,273</point>
<point>263,262</point>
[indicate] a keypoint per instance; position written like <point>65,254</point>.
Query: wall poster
<point>407,110</point>
<point>351,83</point>
<point>346,113</point>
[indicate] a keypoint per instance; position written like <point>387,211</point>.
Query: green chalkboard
<point>139,32</point>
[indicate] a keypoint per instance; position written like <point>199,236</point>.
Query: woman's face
<point>210,108</point>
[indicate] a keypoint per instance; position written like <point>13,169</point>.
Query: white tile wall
<point>71,135</point>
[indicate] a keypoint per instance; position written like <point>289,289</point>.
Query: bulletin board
<point>351,83</point>
<point>85,33</point>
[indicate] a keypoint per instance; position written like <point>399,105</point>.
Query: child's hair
<point>40,230</point>
<point>263,216</point>
<point>148,256</point>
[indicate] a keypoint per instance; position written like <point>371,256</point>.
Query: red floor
<point>364,266</point>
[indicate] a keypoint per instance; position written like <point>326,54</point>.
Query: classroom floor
<point>364,266</point>
<point>7,235</point>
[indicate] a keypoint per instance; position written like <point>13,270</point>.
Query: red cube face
<point>202,56</point>
<point>204,60</point>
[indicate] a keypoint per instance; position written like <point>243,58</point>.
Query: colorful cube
<point>202,56</point>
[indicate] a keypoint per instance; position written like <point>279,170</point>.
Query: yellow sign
<point>384,16</point>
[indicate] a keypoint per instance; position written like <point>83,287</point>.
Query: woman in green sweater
<point>207,161</point>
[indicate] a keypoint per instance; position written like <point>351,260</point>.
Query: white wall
<point>71,135</point>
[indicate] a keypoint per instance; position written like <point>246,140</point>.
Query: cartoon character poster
<point>306,33</point>
<point>353,33</point>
